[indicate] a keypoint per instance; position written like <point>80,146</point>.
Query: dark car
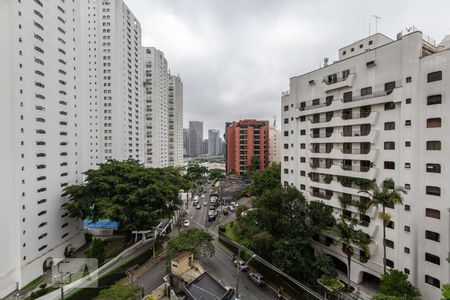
<point>257,278</point>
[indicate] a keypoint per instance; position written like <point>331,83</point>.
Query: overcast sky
<point>235,57</point>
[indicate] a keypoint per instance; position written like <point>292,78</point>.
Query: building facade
<point>112,83</point>
<point>186,141</point>
<point>274,145</point>
<point>195,138</point>
<point>214,142</point>
<point>175,120</point>
<point>41,135</point>
<point>205,147</point>
<point>156,88</point>
<point>379,112</point>
<point>247,146</point>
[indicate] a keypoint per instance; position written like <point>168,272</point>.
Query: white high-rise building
<point>381,111</point>
<point>156,83</point>
<point>112,83</point>
<point>214,142</point>
<point>40,134</point>
<point>274,145</point>
<point>175,120</point>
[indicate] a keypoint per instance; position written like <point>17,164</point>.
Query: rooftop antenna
<point>376,22</point>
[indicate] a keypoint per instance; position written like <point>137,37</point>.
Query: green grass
<point>32,283</point>
<point>229,233</point>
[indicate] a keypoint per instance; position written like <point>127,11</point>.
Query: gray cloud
<point>236,57</point>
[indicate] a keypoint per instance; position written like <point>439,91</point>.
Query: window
<point>370,42</point>
<point>390,225</point>
<point>303,132</point>
<point>370,63</point>
<point>302,159</point>
<point>302,173</point>
<point>434,259</point>
<point>286,121</point>
<point>389,243</point>
<point>389,126</point>
<point>408,100</point>
<point>433,145</point>
<point>407,122</point>
<point>345,75</point>
<point>431,235</point>
<point>407,165</point>
<point>389,106</point>
<point>432,281</point>
<point>389,145</point>
<point>302,146</point>
<point>406,250</point>
<point>316,102</point>
<point>407,207</point>
<point>433,168</point>
<point>434,99</point>
<point>344,52</point>
<point>408,79</point>
<point>286,108</point>
<point>286,133</point>
<point>366,91</point>
<point>433,122</point>
<point>406,271</point>
<point>433,190</point>
<point>286,171</point>
<point>407,229</point>
<point>389,263</point>
<point>286,146</point>
<point>407,144</point>
<point>389,86</point>
<point>389,165</point>
<point>434,76</point>
<point>302,187</point>
<point>433,213</point>
<point>348,96</point>
<point>407,186</point>
<point>302,118</point>
<point>286,158</point>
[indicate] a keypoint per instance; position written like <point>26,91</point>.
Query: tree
<point>324,265</point>
<point>127,192</point>
<point>240,209</point>
<point>349,236</point>
<point>121,292</point>
<point>266,179</point>
<point>97,251</point>
<point>195,174</point>
<point>396,286</point>
<point>446,291</point>
<point>193,240</point>
<point>216,174</point>
<point>263,243</point>
<point>386,195</point>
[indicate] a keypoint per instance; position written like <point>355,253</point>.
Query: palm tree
<point>386,195</point>
<point>349,236</point>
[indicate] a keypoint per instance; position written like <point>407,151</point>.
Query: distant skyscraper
<point>185,141</point>
<point>175,110</point>
<point>214,143</point>
<point>195,138</point>
<point>156,80</point>
<point>274,145</point>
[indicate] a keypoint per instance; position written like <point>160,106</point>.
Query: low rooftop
<point>205,287</point>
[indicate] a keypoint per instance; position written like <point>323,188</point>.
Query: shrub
<point>42,285</point>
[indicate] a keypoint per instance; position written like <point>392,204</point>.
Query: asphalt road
<point>153,278</point>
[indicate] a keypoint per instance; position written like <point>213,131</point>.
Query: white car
<point>233,204</point>
<point>211,212</point>
<point>231,208</point>
<point>203,196</point>
<point>186,223</point>
<point>196,198</point>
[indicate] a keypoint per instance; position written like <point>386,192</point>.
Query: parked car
<point>198,206</point>
<point>212,218</point>
<point>242,266</point>
<point>257,278</point>
<point>186,223</point>
<point>211,212</point>
<point>233,203</point>
<point>203,196</point>
<point>231,208</point>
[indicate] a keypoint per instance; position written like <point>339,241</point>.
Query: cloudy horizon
<point>236,57</point>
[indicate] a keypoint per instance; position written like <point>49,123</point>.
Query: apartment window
<point>286,146</point>
<point>407,122</point>
<point>406,271</point>
<point>407,165</point>
<point>389,243</point>
<point>348,96</point>
<point>389,106</point>
<point>389,165</point>
<point>302,118</point>
<point>389,263</point>
<point>302,173</point>
<point>370,42</point>
<point>389,126</point>
<point>434,76</point>
<point>302,159</point>
<point>433,122</point>
<point>286,108</point>
<point>431,235</point>
<point>302,187</point>
<point>407,207</point>
<point>389,145</point>
<point>316,102</point>
<point>407,229</point>
<point>344,52</point>
<point>434,99</point>
<point>302,146</point>
<point>286,158</point>
<point>432,281</point>
<point>433,145</point>
<point>407,186</point>
<point>433,213</point>
<point>433,168</point>
<point>345,75</point>
<point>406,250</point>
<point>433,190</point>
<point>407,144</point>
<point>286,171</point>
<point>434,259</point>
<point>389,86</point>
<point>286,121</point>
<point>366,91</point>
<point>390,225</point>
<point>408,101</point>
<point>303,132</point>
<point>286,133</point>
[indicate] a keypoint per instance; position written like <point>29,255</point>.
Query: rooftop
<point>205,287</point>
<point>182,256</point>
<point>101,224</point>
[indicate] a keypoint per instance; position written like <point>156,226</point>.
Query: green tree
<point>196,174</point>
<point>240,209</point>
<point>446,291</point>
<point>349,236</point>
<point>396,286</point>
<point>97,251</point>
<point>263,243</point>
<point>216,174</point>
<point>121,292</point>
<point>127,192</point>
<point>193,240</point>
<point>386,195</point>
<point>324,265</point>
<point>266,179</point>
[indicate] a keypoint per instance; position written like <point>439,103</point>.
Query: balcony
<point>322,195</point>
<point>338,82</point>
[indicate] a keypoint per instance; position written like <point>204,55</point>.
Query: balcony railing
<point>355,151</point>
<point>321,150</point>
<point>356,115</point>
<point>355,168</point>
<point>355,133</point>
<point>318,165</point>
<point>321,195</point>
<point>321,119</point>
<point>321,135</point>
